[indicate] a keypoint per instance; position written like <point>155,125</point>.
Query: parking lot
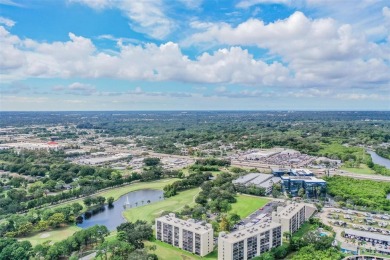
<point>263,214</point>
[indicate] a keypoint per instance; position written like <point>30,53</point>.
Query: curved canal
<point>379,160</point>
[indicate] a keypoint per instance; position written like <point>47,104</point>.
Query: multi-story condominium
<point>292,216</point>
<point>249,242</point>
<point>185,234</point>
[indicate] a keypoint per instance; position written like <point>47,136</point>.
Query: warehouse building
<point>260,180</point>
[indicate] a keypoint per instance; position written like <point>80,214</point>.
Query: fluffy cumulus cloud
<point>316,55</point>
<point>319,51</point>
<point>79,57</point>
<point>146,16</point>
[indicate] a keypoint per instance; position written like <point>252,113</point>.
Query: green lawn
<point>117,192</point>
<point>306,227</point>
<point>52,235</point>
<point>363,169</point>
<point>165,251</point>
<point>247,204</point>
<point>150,212</point>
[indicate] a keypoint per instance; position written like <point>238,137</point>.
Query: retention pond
<point>112,217</point>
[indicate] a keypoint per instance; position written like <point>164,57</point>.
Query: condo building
<point>185,234</point>
<point>293,216</point>
<point>249,242</point>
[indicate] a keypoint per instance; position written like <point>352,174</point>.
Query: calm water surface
<point>112,217</point>
<point>379,160</point>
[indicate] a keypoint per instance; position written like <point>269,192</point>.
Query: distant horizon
<point>195,110</point>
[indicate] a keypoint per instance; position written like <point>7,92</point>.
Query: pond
<point>379,160</point>
<point>112,217</point>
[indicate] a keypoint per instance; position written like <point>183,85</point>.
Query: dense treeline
<point>128,244</point>
<point>251,189</point>
<point>218,194</point>
<point>304,131</point>
<point>192,181</point>
<point>19,225</point>
<point>11,248</point>
<point>362,193</point>
<point>56,174</point>
<point>86,238</point>
<point>18,200</point>
<point>213,162</point>
<point>384,152</point>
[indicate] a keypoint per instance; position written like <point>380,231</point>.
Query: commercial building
<point>249,242</point>
<point>261,180</point>
<point>279,172</point>
<point>312,186</point>
<point>292,216</point>
<point>54,146</point>
<point>185,234</point>
<point>301,172</point>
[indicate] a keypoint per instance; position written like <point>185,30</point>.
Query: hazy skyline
<point>194,55</point>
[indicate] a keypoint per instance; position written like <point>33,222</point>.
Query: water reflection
<point>112,217</point>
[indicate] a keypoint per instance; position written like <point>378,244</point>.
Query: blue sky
<point>194,55</point>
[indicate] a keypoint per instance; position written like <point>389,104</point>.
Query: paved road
<point>374,177</point>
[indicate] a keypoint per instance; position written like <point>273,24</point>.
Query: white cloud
<point>96,4</point>
<point>146,16</point>
<point>78,57</point>
<point>386,12</point>
<point>315,53</point>
<point>191,4</point>
<point>7,22</point>
<point>249,3</point>
<point>319,51</point>
<point>11,3</point>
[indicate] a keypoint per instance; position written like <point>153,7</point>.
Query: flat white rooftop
<point>290,210</point>
<point>189,225</point>
<point>245,233</point>
<point>367,235</point>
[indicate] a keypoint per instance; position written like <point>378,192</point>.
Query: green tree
<point>56,219</point>
<point>301,192</point>
<point>224,224</point>
<point>110,201</point>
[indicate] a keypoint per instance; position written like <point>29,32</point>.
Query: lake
<point>112,217</point>
<point>379,160</point>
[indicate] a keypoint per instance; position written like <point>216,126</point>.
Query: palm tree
<point>148,201</point>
